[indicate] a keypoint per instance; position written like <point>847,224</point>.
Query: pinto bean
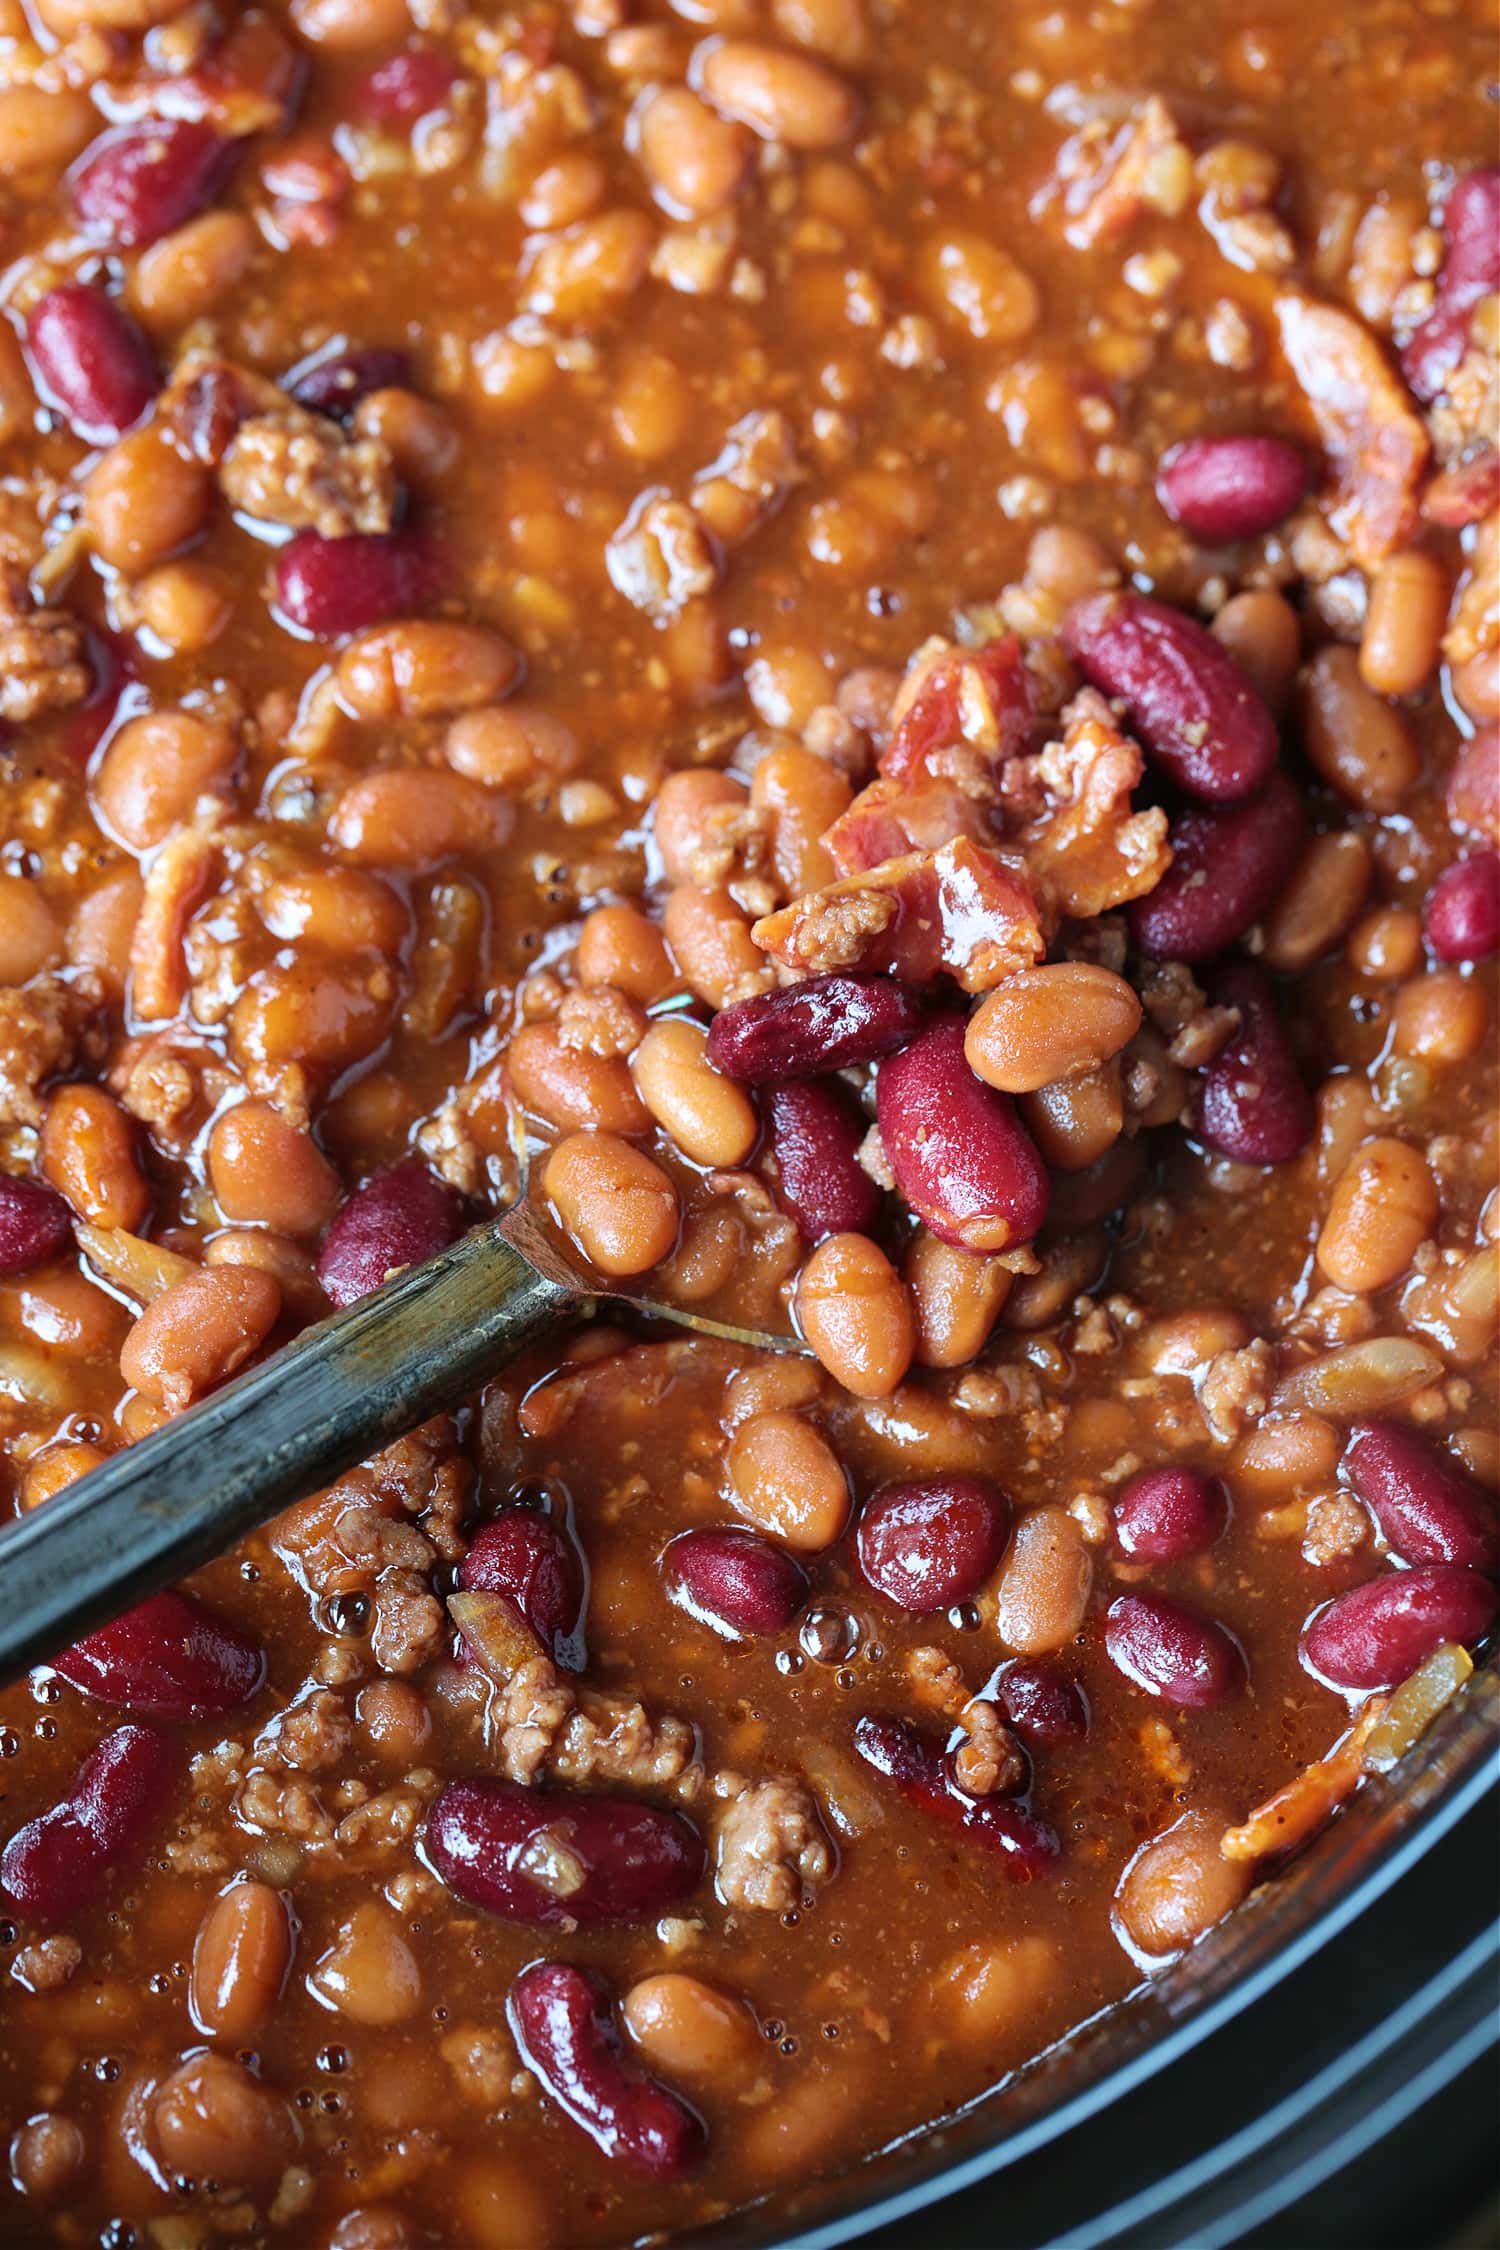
<point>240,1959</point>
<point>710,1118</point>
<point>619,1207</point>
<point>413,817</point>
<point>1045,1585</point>
<point>89,1153</point>
<point>1385,1205</point>
<point>198,1332</point>
<point>781,96</point>
<point>786,1479</point>
<point>1358,744</point>
<point>1050,1024</point>
<point>855,1312</point>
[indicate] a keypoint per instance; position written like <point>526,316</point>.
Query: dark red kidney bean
<point>550,1855</point>
<point>1165,1515</point>
<point>92,363</point>
<point>168,1658</point>
<point>526,1556</point>
<point>1043,1704</point>
<point>333,379</point>
<point>735,1581</point>
<point>1428,1508</point>
<point>1462,915</point>
<point>399,1218</point>
<point>1470,272</point>
<point>1377,1634</point>
<point>56,1864</point>
<point>1227,866</point>
<point>406,87</point>
<point>1171,1651</point>
<point>920,1768</point>
<point>35,1224</point>
<point>928,1542</point>
<point>326,588</point>
<point>1254,1105</point>
<point>816,1128</point>
<point>1192,706</point>
<point>138,182</point>
<point>807,1030</point>
<point>1223,488</point>
<point>962,1158</point>
<point>564,2032</point>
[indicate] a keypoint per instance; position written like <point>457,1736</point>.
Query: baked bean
<point>696,162</point>
<point>621,947</point>
<point>688,2029</point>
<point>1319,902</point>
<point>799,795</point>
<point>29,937</point>
<point>417,434</point>
<point>41,130</point>
<point>1066,564</point>
<point>987,1990</point>
<point>47,2153</point>
<point>143,501</point>
<point>1044,1587</point>
<point>978,286</point>
<point>582,275</point>
<point>289,1264</point>
<point>515,745</point>
<point>1260,629</point>
<point>571,1087</point>
<point>378,2226</point>
<point>395,1717</point>
<point>564,191</point>
<point>786,1479</point>
<point>1050,1024</point>
<point>619,1207</point>
<point>211,2120</point>
<point>70,1312</point>
<point>423,669</point>
<point>1179,1884</point>
<point>350,25</point>
<point>158,771</point>
<point>956,1298</point>
<point>54,1469</point>
<point>339,908</point>
<point>1441,1018</point>
<point>1354,741</point>
<point>240,1960</point>
<point>1076,1122</point>
<point>88,1152</point>
<point>835,28</point>
<point>498,2203</point>
<point>263,1169</point>
<point>781,96</point>
<point>186,274</point>
<point>694,809</point>
<point>197,1333</point>
<point>309,1013</point>
<point>1400,647</point>
<point>711,944</point>
<point>853,1308</point>
<point>1384,1207</point>
<point>710,1118</point>
<point>184,605</point>
<point>1292,1453</point>
<point>1476,686</point>
<point>369,1973</point>
<point>414,817</point>
<point>1386,945</point>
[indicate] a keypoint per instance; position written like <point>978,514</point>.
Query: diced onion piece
<point>1415,1704</point>
<point>146,1270</point>
<point>494,1632</point>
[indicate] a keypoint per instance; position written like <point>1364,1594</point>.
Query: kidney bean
<point>1223,488</point>
<point>1171,1651</point>
<point>1470,272</point>
<point>35,1224</point>
<point>1429,1509</point>
<point>1377,1634</point>
<point>1227,866</point>
<point>326,588</point>
<point>1254,1106</point>
<point>168,1658</point>
<point>333,379</point>
<point>816,1129</point>
<point>1042,1704</point>
<point>403,88</point>
<point>546,1856</point>
<point>1165,1515</point>
<point>92,362</point>
<point>735,1581</point>
<point>55,1865</point>
<point>923,1772</point>
<point>401,1217</point>
<point>524,1555</point>
<point>565,2035</point>
<point>932,1541</point>
<point>140,181</point>
<point>962,1158</point>
<point>1190,703</point>
<point>1462,915</point>
<point>807,1030</point>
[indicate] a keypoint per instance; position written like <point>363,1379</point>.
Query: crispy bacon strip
<point>1376,443</point>
<point>1089,852</point>
<point>951,698</point>
<point>961,910</point>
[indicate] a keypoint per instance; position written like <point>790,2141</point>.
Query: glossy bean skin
<point>1172,1651</point>
<point>1227,488</point>
<point>928,1544</point>
<point>735,1581</point>
<point>168,1658</point>
<point>1377,1634</point>
<point>786,1479</point>
<point>816,1128</point>
<point>1384,1206</point>
<point>56,1864</point>
<point>1470,272</point>
<point>240,1959</point>
<point>1049,1025</point>
<point>1166,1515</point>
<point>552,1856</point>
<point>1254,1106</point>
<point>1041,1703</point>
<point>526,1556</point>
<point>1194,709</point>
<point>1023,1847</point>
<point>808,1030</point>
<point>399,1218</point>
<point>35,1224</point>
<point>1178,1885</point>
<point>962,1158</point>
<point>853,1309</point>
<point>1227,866</point>
<point>135,184</point>
<point>326,588</point>
<point>1462,914</point>
<point>95,365</point>
<point>1429,1509</point>
<point>561,2026</point>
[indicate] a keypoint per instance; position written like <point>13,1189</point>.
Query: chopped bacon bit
<point>950,696</point>
<point>887,820</point>
<point>1296,1812</point>
<point>182,874</point>
<point>1376,443</point>
<point>1466,492</point>
<point>1088,852</point>
<point>961,910</point>
<point>1109,180</point>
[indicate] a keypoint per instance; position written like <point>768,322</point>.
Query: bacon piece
<point>888,820</point>
<point>1375,442</point>
<point>1462,494</point>
<point>1088,852</point>
<point>962,910</point>
<point>182,874</point>
<point>1300,1809</point>
<point>1109,180</point>
<point>951,698</point>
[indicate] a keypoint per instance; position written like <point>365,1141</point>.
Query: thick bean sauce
<point>868,633</point>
